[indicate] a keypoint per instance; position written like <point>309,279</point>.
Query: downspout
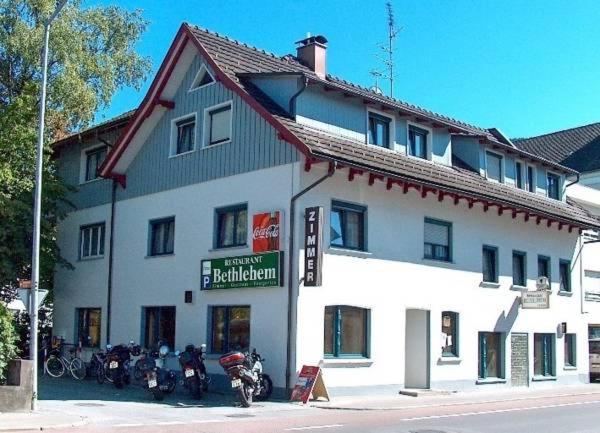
<point>303,84</point>
<point>290,306</point>
<point>110,258</point>
<point>574,182</point>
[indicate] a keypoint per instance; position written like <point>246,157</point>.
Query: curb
<point>465,403</point>
<point>82,422</point>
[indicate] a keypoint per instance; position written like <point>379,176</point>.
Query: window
<point>570,350</point>
<point>218,124</point>
<point>159,326</point>
<point>565,275</point>
<point>91,241</point>
<point>553,186</point>
<point>379,130</point>
<point>449,333</point>
<point>438,236</point>
<point>230,328</point>
<point>519,268</point>
<point>544,267</point>
<point>346,330</point>
<point>93,160</point>
<point>231,226</point>
<point>490,264</point>
<point>543,354</point>
<point>417,142</point>
<point>348,224</point>
<point>519,180</point>
<point>203,78</point>
<point>531,184</point>
<point>186,135</point>
<point>88,327</point>
<point>162,237</point>
<point>491,355</point>
<point>493,163</point>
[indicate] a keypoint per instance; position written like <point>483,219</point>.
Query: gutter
<point>574,182</point>
<point>291,305</point>
<point>110,259</point>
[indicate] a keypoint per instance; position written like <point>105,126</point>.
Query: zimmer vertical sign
<point>313,246</point>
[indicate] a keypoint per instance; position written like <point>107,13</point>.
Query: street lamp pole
<point>37,210</point>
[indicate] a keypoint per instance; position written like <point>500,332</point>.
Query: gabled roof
<point>233,63</point>
<point>577,148</point>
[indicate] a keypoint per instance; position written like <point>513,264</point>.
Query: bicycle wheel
<point>54,366</point>
<point>77,368</point>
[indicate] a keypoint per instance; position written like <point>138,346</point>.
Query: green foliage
<point>8,340</point>
<point>92,55</point>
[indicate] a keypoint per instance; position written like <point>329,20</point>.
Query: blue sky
<point>524,66</point>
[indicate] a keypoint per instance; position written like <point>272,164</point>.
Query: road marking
<point>129,425</point>
<point>169,423</point>
<point>205,421</point>
<point>314,427</point>
<point>488,412</point>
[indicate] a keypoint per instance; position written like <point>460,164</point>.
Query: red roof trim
<point>158,84</point>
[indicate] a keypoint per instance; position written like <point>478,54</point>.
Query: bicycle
<point>57,365</point>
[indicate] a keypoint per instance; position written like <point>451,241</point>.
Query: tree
<point>8,340</point>
<point>92,55</point>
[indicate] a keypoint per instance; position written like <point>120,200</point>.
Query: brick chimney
<point>312,51</point>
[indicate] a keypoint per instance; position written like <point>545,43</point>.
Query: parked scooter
<point>193,370</point>
<point>118,359</point>
<point>157,379</point>
<point>246,374</point>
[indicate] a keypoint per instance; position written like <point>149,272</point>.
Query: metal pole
<point>37,211</point>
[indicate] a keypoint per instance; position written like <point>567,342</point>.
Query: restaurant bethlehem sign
<point>258,270</point>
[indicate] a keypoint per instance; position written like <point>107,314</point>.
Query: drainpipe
<point>291,305</point>
<point>110,258</point>
<point>303,84</point>
<point>574,182</point>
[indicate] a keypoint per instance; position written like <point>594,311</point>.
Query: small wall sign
<point>537,300</point>
<point>266,231</point>
<point>313,242</point>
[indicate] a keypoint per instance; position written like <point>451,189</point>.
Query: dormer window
<point>379,130</point>
<point>553,186</point>
<point>417,142</point>
<point>531,184</point>
<point>519,178</point>
<point>493,163</point>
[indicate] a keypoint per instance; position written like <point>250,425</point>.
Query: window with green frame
<point>490,264</point>
<point>449,333</point>
<point>346,332</point>
<point>544,267</point>
<point>570,350</point>
<point>519,260</point>
<point>564,267</point>
<point>231,226</point>
<point>491,355</point>
<point>438,240</point>
<point>543,355</point>
<point>229,328</point>
<point>348,226</point>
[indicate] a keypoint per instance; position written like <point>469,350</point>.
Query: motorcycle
<point>118,359</point>
<point>193,370</point>
<point>157,379</point>
<point>246,374</point>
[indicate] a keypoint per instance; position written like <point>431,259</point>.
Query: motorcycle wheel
<point>126,379</point>
<point>195,387</point>
<point>100,376</point>
<point>245,392</point>
<point>157,394</point>
<point>138,374</point>
<point>266,388</point>
<point>171,384</point>
<point>117,377</point>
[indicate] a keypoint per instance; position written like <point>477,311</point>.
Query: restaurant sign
<point>257,270</point>
<point>535,300</point>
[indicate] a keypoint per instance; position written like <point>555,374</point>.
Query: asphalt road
<point>565,414</point>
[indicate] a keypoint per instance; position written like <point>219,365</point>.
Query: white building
<point>433,228</point>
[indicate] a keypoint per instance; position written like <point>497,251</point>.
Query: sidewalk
<point>40,420</point>
<point>400,402</point>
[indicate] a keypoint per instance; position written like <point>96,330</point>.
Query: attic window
<point>203,78</point>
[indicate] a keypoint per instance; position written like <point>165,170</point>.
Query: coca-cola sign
<point>266,231</point>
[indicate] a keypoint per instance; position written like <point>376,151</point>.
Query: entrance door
<point>417,343</point>
<point>519,359</point>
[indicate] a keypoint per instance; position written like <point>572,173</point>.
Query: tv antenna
<point>388,48</point>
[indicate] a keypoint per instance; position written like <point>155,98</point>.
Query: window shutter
<point>436,234</point>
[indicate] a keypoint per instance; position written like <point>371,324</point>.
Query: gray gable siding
<point>254,144</point>
<point>87,194</point>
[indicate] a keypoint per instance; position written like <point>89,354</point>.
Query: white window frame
<point>560,185</point>
<point>534,169</point>
<point>206,123</point>
<point>203,69</point>
<point>392,131</point>
<point>83,162</point>
<point>174,130</point>
<point>428,143</point>
<point>102,236</point>
<point>502,166</point>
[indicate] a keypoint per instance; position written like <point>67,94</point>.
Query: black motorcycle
<point>118,359</point>
<point>246,374</point>
<point>193,370</point>
<point>157,379</point>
